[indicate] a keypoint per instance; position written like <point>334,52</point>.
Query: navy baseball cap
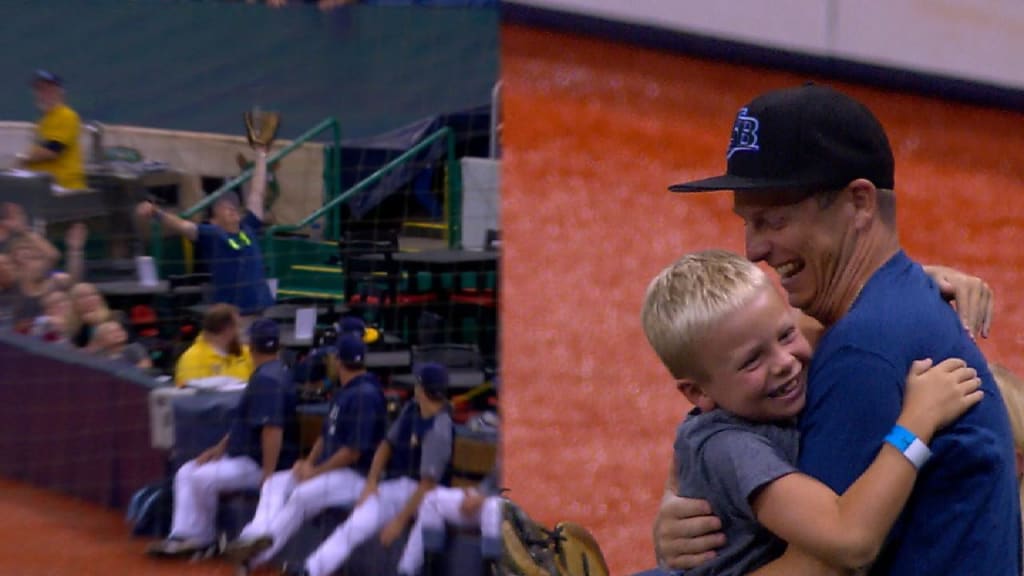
<point>809,138</point>
<point>352,325</point>
<point>264,335</point>
<point>351,349</point>
<point>433,377</point>
<point>47,77</point>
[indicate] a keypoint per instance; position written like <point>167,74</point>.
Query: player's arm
<point>380,459</point>
<point>848,531</point>
<point>269,407</point>
<point>180,226</point>
<point>214,452</point>
<point>315,452</point>
<point>271,439</point>
<point>435,456</point>
<point>342,458</point>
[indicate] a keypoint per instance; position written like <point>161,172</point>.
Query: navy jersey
<point>963,516</point>
<point>236,265</point>
<point>357,420</point>
<point>421,447</point>
<point>268,400</point>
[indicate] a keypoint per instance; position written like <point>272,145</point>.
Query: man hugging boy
<point>733,346</point>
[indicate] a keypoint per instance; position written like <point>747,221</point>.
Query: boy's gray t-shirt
<point>724,459</point>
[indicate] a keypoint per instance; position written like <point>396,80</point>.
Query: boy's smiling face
<point>755,361</point>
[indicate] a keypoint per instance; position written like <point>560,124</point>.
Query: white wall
<point>977,40</point>
<point>197,154</point>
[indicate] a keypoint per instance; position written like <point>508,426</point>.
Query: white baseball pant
<point>285,504</point>
<point>197,488</point>
<point>441,506</point>
<point>366,520</point>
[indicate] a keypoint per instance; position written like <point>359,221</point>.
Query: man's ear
<point>694,392</point>
<point>865,202</point>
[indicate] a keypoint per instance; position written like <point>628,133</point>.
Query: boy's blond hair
<point>1011,387</point>
<point>690,296</point>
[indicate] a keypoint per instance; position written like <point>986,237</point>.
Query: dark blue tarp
<point>362,157</point>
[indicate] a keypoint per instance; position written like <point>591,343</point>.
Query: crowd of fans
<point>43,293</point>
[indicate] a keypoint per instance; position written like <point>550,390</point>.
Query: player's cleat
<point>242,550</point>
<point>177,548</point>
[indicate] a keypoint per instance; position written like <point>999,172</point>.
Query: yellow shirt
<point>203,361</point>
<point>61,124</point>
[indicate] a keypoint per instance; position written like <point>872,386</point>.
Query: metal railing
<point>453,192</point>
<point>332,176</point>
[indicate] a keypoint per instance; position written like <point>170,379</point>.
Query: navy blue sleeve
<point>267,401</point>
<point>408,413</point>
<point>54,146</point>
<point>857,397</point>
<point>251,222</point>
<point>208,234</point>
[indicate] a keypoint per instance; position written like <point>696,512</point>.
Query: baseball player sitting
<point>733,346</point>
<point>477,506</point>
<point>413,459</point>
<point>334,472</point>
<point>263,438</point>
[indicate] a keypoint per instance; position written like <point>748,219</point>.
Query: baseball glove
<point>261,128</point>
<point>532,550</point>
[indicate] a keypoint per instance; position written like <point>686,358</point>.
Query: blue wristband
<point>909,445</point>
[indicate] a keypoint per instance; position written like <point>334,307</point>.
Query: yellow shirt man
<point>58,130</point>
<point>202,360</point>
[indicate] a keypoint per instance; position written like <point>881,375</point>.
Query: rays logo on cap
<point>744,134</point>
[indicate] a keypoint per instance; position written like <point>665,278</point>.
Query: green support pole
<point>453,183</point>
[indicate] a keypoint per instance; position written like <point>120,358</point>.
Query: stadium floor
<point>594,132</point>
<point>45,534</point>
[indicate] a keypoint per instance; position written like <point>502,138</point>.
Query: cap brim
<point>741,184</point>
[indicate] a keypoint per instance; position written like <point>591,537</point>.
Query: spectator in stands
<point>55,149</point>
<point>57,321</point>
<point>472,506</point>
<point>218,351</point>
<point>230,244</point>
<point>90,309</point>
<point>110,340</point>
<point>32,263</point>
<point>262,439</point>
<point>9,292</point>
<point>33,259</point>
<point>414,458</point>
<point>334,473</point>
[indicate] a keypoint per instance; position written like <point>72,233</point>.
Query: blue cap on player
<point>432,377</point>
<point>264,336</point>
<point>351,349</point>
<point>352,325</point>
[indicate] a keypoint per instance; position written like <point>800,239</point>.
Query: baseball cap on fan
<point>264,336</point>
<point>810,138</point>
<point>41,76</point>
